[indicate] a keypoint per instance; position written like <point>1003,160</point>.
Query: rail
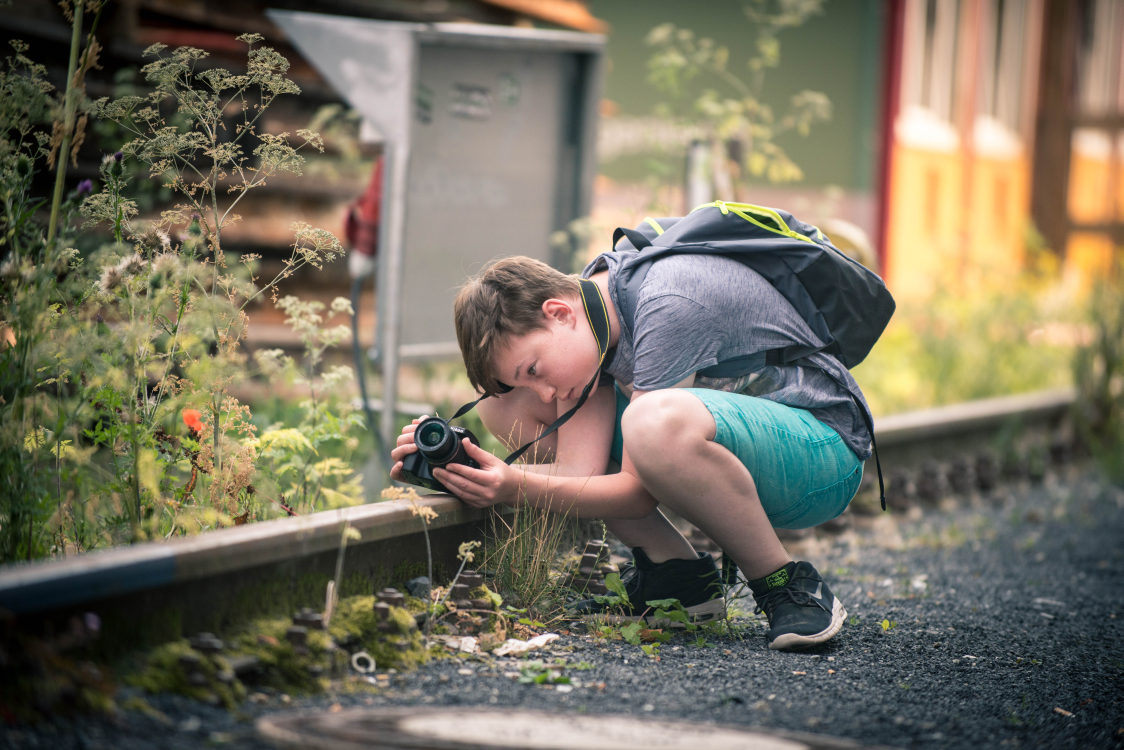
<point>158,591</point>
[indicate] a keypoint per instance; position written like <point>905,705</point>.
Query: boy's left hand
<point>494,482</point>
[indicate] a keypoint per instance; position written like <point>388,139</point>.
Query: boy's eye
<point>532,370</point>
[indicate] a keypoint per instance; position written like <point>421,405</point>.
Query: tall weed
<point>522,552</point>
<point>118,366</point>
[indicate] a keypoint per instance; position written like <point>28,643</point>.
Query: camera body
<point>439,444</point>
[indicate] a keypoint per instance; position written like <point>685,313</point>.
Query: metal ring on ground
<point>362,662</point>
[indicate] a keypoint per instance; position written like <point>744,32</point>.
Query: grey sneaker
<point>695,583</point>
<point>800,607</point>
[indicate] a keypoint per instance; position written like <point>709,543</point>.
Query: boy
<point>782,447</point>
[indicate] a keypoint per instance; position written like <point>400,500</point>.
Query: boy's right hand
<point>404,447</point>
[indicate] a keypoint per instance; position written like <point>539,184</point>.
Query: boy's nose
<point>546,393</point>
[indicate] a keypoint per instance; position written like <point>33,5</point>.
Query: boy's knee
<point>661,420</point>
<point>515,419</point>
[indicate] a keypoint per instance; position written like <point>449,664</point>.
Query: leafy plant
<point>1000,336</point>
<point>299,475</point>
<point>728,104</point>
<point>117,366</point>
<point>541,673</point>
<point>34,296</point>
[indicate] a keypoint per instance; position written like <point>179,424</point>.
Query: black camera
<point>439,444</point>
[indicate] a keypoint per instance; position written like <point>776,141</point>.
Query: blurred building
<point>965,133</point>
<point>1006,132</point>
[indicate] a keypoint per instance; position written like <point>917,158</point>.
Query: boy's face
<point>556,361</point>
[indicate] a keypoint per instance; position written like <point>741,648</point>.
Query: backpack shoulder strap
<point>638,240</point>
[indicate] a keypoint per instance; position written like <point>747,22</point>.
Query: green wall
<point>838,52</point>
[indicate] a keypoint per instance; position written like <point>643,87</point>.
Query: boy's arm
<point>580,447</point>
<point>619,495</point>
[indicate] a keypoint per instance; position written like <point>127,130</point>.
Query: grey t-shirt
<point>693,311</point>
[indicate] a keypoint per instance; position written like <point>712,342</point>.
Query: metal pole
<point>698,175</point>
<point>390,277</point>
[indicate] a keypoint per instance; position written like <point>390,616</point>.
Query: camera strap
<point>598,316</point>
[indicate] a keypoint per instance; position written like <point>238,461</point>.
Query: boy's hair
<point>505,299</point>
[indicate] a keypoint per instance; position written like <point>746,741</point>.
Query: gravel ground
<point>990,622</point>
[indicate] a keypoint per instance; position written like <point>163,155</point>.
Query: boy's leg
<point>669,435</point>
<point>664,566</point>
<point>807,474</point>
<point>654,534</point>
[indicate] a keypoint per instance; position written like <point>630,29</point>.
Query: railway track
<point>161,591</point>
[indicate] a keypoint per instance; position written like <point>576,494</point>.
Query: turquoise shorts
<point>804,472</point>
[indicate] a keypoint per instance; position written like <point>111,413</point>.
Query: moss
<point>414,605</point>
<point>403,620</point>
<point>295,668</point>
<point>283,665</point>
<point>483,592</point>
<point>354,622</point>
<point>42,682</point>
<point>178,668</point>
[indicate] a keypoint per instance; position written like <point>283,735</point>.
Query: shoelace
<point>768,603</point>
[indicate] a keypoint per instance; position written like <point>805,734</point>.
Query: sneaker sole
<point>710,611</point>
<point>790,641</point>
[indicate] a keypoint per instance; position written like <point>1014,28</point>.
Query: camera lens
<point>431,435</point>
<point>436,441</point>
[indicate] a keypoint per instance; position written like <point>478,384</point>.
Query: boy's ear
<point>558,309</point>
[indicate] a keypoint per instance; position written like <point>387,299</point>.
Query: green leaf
<point>631,632</point>
<point>287,439</point>
<point>614,584</point>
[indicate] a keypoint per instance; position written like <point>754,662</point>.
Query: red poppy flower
<point>191,418</point>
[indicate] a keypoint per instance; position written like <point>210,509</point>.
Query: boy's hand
<point>494,482</point>
<point>404,446</point>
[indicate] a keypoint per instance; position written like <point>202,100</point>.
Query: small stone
<point>391,596</point>
<point>309,619</point>
<point>471,578</point>
<point>207,643</point>
<point>419,587</point>
<point>297,635</point>
<point>189,662</point>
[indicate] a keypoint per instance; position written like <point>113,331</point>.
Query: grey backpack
<point>846,304</point>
